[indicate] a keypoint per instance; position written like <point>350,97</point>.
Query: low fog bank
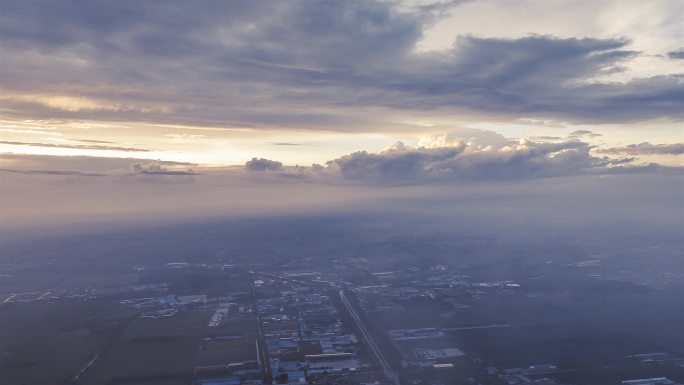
<point>629,226</point>
<point>645,203</point>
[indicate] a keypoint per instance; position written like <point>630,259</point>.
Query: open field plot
<point>125,362</point>
<point>189,324</point>
<point>49,341</point>
<point>223,351</point>
<point>415,313</point>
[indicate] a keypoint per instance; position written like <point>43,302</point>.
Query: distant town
<point>348,320</point>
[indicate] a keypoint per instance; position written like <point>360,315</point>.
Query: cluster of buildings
<point>305,339</point>
<point>658,358</point>
<point>532,375</point>
<point>169,305</point>
<point>425,348</point>
<point>650,381</point>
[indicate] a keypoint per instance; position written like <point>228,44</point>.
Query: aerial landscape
<point>382,192</point>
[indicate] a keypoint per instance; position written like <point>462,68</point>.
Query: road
<point>386,368</point>
<point>477,327</point>
<point>262,352</point>
<point>10,298</point>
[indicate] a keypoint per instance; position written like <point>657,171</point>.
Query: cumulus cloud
<point>157,168</point>
<point>398,164</point>
<point>467,155</point>
<point>518,160</point>
<point>646,149</point>
<point>316,63</point>
<point>261,164</point>
<point>465,136</point>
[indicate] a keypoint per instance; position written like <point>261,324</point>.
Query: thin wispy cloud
<point>75,146</point>
<point>646,149</point>
<point>286,144</point>
<point>52,172</point>
<point>94,141</point>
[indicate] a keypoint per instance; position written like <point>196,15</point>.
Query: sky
<point>328,101</point>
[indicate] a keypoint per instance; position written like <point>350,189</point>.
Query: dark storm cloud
<point>76,146</point>
<point>646,149</point>
<point>262,164</point>
<point>304,64</point>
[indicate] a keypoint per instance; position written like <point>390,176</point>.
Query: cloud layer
<point>646,149</point>
<point>463,155</point>
<point>467,163</point>
<point>301,64</point>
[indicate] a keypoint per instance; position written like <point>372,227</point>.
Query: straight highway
<point>386,368</point>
